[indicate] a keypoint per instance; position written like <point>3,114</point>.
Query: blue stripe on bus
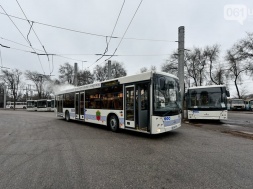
<point>171,122</point>
<point>94,117</point>
<point>102,118</point>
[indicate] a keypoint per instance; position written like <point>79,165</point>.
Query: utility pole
<point>75,74</point>
<point>5,91</point>
<point>109,70</point>
<point>181,64</point>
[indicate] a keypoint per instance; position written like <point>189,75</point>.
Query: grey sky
<point>203,20</point>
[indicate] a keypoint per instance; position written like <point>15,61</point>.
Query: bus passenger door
<point>77,109</point>
<point>130,106</point>
<point>142,116</point>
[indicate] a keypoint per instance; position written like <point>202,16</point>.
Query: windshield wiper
<point>180,109</point>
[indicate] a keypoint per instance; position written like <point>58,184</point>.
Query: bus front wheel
<point>114,123</point>
<point>67,116</point>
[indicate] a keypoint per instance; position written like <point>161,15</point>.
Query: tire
<point>67,116</point>
<point>113,123</point>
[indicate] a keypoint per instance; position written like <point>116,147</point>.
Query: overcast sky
<point>205,24</point>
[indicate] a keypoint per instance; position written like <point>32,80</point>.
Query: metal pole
<point>5,91</point>
<point>181,64</point>
<point>75,74</point>
<point>109,70</point>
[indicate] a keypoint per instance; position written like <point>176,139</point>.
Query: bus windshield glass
<point>167,99</point>
<point>30,104</point>
<point>237,101</point>
<point>207,98</point>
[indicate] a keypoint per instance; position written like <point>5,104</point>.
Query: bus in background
<point>31,105</point>
<point>18,105</point>
<point>207,102</point>
<point>53,105</point>
<point>248,104</point>
<point>237,104</point>
<point>130,102</point>
<point>44,105</point>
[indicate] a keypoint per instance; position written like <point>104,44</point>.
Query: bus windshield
<point>207,98</point>
<point>167,99</point>
<point>30,104</point>
<point>237,101</point>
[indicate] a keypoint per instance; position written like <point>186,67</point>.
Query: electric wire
<point>107,43</point>
<point>122,36</point>
<point>64,55</point>
<point>125,31</point>
<point>59,55</point>
<point>23,36</point>
<point>33,32</point>
<point>88,33</point>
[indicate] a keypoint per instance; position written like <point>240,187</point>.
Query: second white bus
<point>31,105</point>
<point>18,105</point>
<point>44,105</point>
<point>207,102</point>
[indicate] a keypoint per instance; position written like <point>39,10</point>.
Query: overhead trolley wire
<point>107,43</point>
<point>64,55</point>
<point>125,30</point>
<point>23,37</point>
<point>31,24</point>
<point>88,33</point>
<point>122,36</point>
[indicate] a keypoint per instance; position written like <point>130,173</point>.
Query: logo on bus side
<point>167,118</point>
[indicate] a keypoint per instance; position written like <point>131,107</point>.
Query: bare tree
<point>118,69</point>
<point>66,73</point>
<point>39,80</point>
<point>101,72</point>
<point>245,47</point>
<point>216,72</point>
<point>145,69</point>
<point>84,77</point>
<point>240,58</point>
<point>13,80</point>
<point>197,61</point>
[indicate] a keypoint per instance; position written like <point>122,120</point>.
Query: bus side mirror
<point>227,93</point>
<point>162,84</point>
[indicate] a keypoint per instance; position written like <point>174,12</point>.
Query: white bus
<point>53,105</point>
<point>248,104</point>
<point>44,105</point>
<point>237,104</point>
<point>18,105</point>
<point>31,105</point>
<point>131,102</point>
<point>207,102</point>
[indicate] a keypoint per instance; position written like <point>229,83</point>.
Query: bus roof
<point>207,86</point>
<point>126,79</point>
<point>44,100</point>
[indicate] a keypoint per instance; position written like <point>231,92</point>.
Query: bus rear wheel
<point>67,116</point>
<point>114,123</point>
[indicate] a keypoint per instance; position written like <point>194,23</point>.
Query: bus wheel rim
<point>113,123</point>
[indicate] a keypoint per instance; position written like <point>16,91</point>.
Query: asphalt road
<point>241,118</point>
<point>38,150</point>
